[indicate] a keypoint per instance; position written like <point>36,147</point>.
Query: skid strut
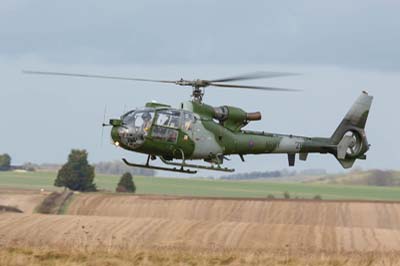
<point>184,164</point>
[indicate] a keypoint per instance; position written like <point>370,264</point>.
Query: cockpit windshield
<point>139,120</point>
<point>135,126</point>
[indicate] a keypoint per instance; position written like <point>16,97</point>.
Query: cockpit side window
<point>166,125</point>
<point>168,118</point>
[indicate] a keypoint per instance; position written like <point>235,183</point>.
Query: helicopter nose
<point>115,135</point>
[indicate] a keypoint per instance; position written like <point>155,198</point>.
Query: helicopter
<point>198,131</point>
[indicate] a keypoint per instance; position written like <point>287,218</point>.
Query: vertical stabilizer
<point>349,137</point>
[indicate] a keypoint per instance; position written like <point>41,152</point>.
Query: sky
<point>339,47</point>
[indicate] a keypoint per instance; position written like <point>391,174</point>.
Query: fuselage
<point>192,132</point>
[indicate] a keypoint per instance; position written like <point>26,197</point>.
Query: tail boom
<point>348,143</point>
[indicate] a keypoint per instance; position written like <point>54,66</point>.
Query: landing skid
<point>180,166</point>
<point>180,170</point>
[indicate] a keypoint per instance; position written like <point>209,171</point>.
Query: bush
<point>286,195</point>
<point>30,167</point>
<point>76,174</point>
<point>9,209</point>
<point>55,202</point>
<point>317,197</point>
<point>126,184</point>
<point>270,196</point>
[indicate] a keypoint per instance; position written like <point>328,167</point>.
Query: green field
<point>207,187</point>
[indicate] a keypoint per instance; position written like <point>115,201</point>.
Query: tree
<point>126,184</point>
<point>76,174</point>
<point>5,162</point>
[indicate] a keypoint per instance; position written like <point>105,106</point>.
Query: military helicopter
<point>197,131</point>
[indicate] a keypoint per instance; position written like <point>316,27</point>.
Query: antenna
<point>103,125</point>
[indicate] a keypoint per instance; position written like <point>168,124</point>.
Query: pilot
<point>187,122</point>
<point>146,116</point>
<point>188,125</point>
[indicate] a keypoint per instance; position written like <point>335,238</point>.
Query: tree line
<point>274,174</point>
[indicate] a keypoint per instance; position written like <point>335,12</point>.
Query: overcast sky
<point>340,47</point>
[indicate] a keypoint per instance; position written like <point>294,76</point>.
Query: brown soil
<point>122,232</point>
<point>118,222</point>
<point>343,214</point>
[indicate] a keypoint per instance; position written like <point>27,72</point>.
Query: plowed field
<point>343,214</point>
<point>115,222</point>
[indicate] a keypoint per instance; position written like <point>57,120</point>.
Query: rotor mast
<point>197,94</point>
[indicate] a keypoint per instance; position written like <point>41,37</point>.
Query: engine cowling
<point>234,118</point>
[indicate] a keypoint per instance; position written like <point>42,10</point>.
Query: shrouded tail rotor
<point>350,146</point>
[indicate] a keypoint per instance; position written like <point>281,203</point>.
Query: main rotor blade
<point>252,87</point>
<point>255,75</point>
<point>94,76</point>
<point>182,82</point>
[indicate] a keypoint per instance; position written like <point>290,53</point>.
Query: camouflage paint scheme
<point>213,136</point>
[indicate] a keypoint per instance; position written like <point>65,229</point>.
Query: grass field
<point>205,187</point>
